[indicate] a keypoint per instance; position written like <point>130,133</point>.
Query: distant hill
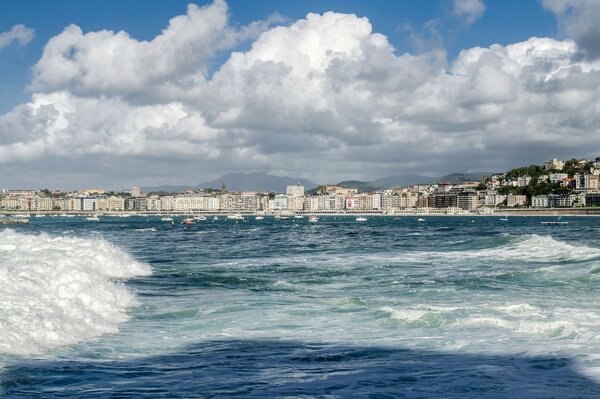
<point>403,180</point>
<point>455,178</point>
<point>362,186</point>
<point>257,181</point>
<point>167,188</point>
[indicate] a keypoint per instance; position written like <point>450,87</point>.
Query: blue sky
<point>503,22</point>
<point>113,93</point>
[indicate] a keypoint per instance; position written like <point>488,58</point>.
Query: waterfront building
<point>539,201</point>
<point>494,199</point>
<point>592,199</point>
<point>136,204</point>
<point>467,200</point>
<point>553,201</point>
<point>295,203</point>
<point>444,200</point>
<point>280,202</point>
<point>516,200</point>
<point>116,203</point>
<point>244,202</point>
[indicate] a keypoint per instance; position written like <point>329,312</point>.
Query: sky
<point>111,93</point>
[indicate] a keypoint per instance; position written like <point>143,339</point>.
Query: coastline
<point>431,212</point>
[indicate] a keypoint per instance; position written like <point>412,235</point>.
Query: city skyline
<point>319,90</point>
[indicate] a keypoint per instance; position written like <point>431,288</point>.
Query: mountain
<point>257,181</point>
<point>455,178</point>
<point>403,180</point>
<point>362,186</point>
<point>167,188</point>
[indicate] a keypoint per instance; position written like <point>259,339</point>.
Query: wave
<point>523,319</point>
<point>529,248</point>
<point>534,247</point>
<point>57,291</point>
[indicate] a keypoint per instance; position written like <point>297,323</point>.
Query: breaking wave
<point>57,291</point>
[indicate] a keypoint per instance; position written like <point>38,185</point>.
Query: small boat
<point>504,219</point>
<point>420,220</point>
<point>555,222</point>
<point>93,218</point>
<point>259,218</point>
<point>215,218</point>
<point>166,219</point>
<point>235,216</point>
<point>188,221</point>
<point>125,215</point>
<point>298,217</point>
<point>361,219</point>
<point>40,215</point>
<point>200,217</point>
<point>313,219</point>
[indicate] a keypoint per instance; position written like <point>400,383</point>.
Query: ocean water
<point>452,307</point>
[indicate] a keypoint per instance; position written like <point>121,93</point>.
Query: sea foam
<point>57,291</point>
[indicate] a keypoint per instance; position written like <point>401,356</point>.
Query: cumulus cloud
<point>325,89</point>
<point>18,33</point>
<point>468,10</point>
<point>578,19</point>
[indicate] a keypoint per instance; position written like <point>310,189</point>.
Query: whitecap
<point>57,291</point>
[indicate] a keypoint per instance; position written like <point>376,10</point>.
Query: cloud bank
<point>323,97</point>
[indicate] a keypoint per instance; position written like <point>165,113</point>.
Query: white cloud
<point>578,19</point>
<point>469,10</point>
<point>324,97</point>
<point>18,33</point>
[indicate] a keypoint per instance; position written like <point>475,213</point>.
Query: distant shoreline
<point>518,212</point>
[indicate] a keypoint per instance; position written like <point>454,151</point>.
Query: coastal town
<point>555,186</point>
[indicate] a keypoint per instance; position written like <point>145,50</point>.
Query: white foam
<point>555,328</point>
<point>57,291</point>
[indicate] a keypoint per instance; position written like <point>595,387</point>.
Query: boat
<point>298,217</point>
<point>313,219</point>
<point>40,216</point>
<point>166,219</point>
<point>200,217</point>
<point>281,217</point>
<point>215,218</point>
<point>259,218</point>
<point>235,216</point>
<point>420,220</point>
<point>188,221</point>
<point>559,220</point>
<point>125,215</point>
<point>93,218</point>
<point>361,219</point>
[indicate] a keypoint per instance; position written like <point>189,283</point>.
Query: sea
<point>394,307</point>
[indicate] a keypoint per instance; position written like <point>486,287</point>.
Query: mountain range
<point>262,181</point>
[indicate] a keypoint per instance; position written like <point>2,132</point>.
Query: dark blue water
<point>452,307</point>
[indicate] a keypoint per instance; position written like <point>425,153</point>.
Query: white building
<point>136,191</point>
<point>295,191</point>
<point>280,202</point>
<point>554,164</point>
<point>557,177</point>
<point>539,201</point>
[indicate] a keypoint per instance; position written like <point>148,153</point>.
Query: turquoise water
<point>450,307</point>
